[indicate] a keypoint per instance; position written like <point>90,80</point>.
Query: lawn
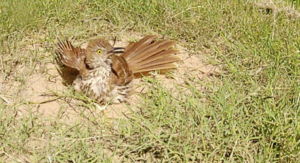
<point>234,97</point>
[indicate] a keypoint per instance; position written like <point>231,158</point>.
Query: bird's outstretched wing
<point>123,75</point>
<point>70,56</point>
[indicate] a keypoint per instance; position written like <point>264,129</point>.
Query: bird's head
<point>99,52</point>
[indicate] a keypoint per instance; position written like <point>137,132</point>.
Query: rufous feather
<point>136,48</point>
<point>70,56</point>
<point>122,71</point>
<point>147,55</point>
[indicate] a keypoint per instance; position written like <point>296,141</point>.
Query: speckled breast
<point>95,84</point>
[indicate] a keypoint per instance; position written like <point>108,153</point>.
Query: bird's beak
<point>118,50</point>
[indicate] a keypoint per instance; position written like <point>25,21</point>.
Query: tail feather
<point>141,49</point>
<point>170,60</point>
<point>157,67</point>
<point>147,55</point>
<point>152,50</point>
<point>134,49</point>
<point>159,55</point>
<point>128,47</point>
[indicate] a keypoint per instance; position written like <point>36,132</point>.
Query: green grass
<point>296,3</point>
<point>249,113</point>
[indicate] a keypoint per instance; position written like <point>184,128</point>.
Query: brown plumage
<point>107,76</point>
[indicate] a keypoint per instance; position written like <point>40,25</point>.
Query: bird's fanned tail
<point>147,55</point>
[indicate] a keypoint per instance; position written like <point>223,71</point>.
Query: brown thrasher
<point>108,77</point>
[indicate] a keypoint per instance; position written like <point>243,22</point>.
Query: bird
<point>105,73</point>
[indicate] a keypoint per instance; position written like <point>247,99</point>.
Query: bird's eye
<point>99,51</point>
